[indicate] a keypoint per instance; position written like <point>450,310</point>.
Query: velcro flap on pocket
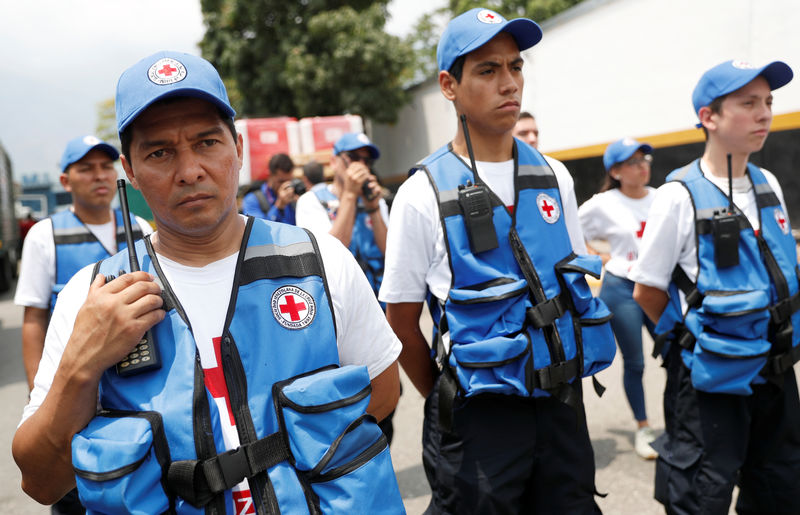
<point>317,392</point>
<point>493,352</point>
<point>728,347</point>
<point>107,445</point>
<point>739,314</point>
<point>583,264</point>
<point>497,292</point>
<point>735,304</point>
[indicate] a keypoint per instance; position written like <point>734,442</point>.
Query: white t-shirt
<point>37,272</point>
<point>416,255</point>
<point>669,237</point>
<point>618,219</point>
<point>312,215</point>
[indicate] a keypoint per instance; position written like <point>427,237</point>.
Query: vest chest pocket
<point>592,317</point>
<point>119,461</point>
<point>731,348</point>
<point>335,445</point>
<point>489,351</point>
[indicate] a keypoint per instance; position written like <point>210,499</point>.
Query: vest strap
<point>693,296</point>
<point>784,309</point>
<point>263,203</point>
<point>545,313</point>
<point>780,363</point>
<point>552,376</point>
<point>198,481</point>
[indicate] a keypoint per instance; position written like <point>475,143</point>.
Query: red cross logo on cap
<point>781,220</point>
<point>548,207</point>
<point>292,307</point>
<point>487,16</point>
<point>166,71</point>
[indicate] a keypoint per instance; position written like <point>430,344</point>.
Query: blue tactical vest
<point>520,318</point>
<point>362,243</point>
<point>77,247</point>
<point>307,445</point>
<point>740,320</point>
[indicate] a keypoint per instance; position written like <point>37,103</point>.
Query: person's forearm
<point>415,356</point>
<point>34,328</point>
<point>652,300</point>
<point>41,445</point>
<point>385,392</point>
<point>379,229</point>
<point>342,228</point>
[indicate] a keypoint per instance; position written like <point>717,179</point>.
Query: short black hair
<point>313,172</point>
<point>526,114</point>
<point>126,136</point>
<point>457,69</point>
<point>280,162</point>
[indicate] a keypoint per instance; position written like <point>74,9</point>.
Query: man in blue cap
<point>240,406</point>
<point>717,271</point>
<point>58,246</point>
<point>504,428</point>
<point>275,199</point>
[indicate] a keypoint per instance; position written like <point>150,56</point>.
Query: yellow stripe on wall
<point>781,122</point>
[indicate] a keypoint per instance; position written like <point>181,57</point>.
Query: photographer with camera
<point>275,199</point>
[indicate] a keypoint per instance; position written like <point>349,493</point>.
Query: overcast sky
<point>59,58</point>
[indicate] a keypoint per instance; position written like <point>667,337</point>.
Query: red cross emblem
<point>487,16</point>
<point>548,207</point>
<point>166,71</point>
<point>292,307</point>
<point>641,229</point>
<point>780,219</point>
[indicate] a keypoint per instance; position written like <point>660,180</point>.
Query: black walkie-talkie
<point>144,357</point>
<point>476,206</point>
<point>726,230</point>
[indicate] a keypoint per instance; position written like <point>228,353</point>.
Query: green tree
<point>106,128</point>
<point>311,57</point>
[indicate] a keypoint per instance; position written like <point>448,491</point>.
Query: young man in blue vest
<point>249,318</point>
<point>493,254</point>
<point>717,270</point>
<point>275,199</point>
<point>58,246</point>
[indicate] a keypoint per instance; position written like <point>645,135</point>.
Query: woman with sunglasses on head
<point>617,216</point>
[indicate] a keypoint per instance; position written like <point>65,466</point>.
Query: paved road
<point>627,479</point>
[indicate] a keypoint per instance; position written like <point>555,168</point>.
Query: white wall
<point>611,68</point>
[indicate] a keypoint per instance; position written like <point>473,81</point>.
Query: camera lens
<point>299,186</point>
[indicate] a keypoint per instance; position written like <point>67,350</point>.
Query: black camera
<point>299,186</point>
<point>366,191</point>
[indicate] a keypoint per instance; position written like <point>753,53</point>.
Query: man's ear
<point>64,180</point>
<point>126,165</point>
<point>707,118</point>
<point>448,84</point>
<point>240,149</point>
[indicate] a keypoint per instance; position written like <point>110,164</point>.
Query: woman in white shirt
<point>617,216</point>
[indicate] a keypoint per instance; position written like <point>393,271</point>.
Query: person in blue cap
<point>617,216</point>
<point>717,271</point>
<point>479,231</point>
<point>275,199</point>
<point>267,360</point>
<point>60,245</point>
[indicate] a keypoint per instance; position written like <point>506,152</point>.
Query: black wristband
<point>370,211</point>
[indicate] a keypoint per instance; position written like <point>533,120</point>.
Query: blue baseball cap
<point>355,140</point>
<point>622,150</point>
<point>168,74</point>
<point>78,148</point>
<point>475,28</point>
<point>731,75</point>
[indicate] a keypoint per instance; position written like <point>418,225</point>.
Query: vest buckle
<point>234,466</point>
